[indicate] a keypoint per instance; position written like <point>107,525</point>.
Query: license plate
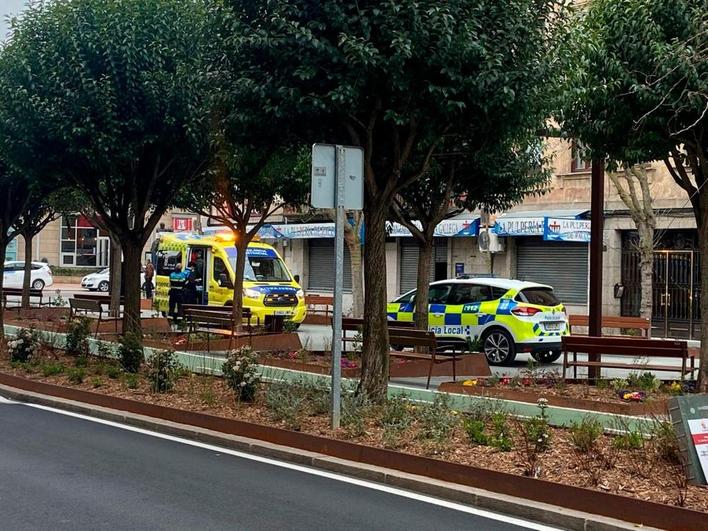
<point>283,312</point>
<point>553,327</point>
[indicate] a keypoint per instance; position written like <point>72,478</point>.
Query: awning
<point>551,224</point>
<point>302,231</point>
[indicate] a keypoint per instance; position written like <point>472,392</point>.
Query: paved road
<point>60,472</point>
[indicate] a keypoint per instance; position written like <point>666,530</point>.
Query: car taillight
<point>525,311</point>
<point>49,270</point>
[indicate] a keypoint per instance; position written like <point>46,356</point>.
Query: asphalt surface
<point>59,472</point>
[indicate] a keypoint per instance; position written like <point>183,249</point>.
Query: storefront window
<point>82,244</point>
<point>11,251</point>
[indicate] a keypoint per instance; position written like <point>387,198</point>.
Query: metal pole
<point>597,211</point>
<point>338,287</point>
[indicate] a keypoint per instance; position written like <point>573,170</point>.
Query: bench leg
<point>430,369</point>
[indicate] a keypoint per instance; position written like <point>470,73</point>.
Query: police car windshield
<point>538,296</point>
<point>263,269</point>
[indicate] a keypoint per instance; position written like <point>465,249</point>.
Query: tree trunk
<point>241,249</point>
<point>3,250</point>
<point>354,245</point>
<point>114,278</point>
<point>375,354</point>
<point>27,280</point>
<point>425,258</point>
<point>132,251</point>
<point>703,247</point>
<point>646,268</point>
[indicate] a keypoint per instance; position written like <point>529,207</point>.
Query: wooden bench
<point>629,347</point>
<point>319,304</point>
<point>614,321</point>
<point>86,306</point>
<point>424,347</point>
<point>17,292</point>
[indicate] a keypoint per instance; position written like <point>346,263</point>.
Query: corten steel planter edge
<point>576,498</point>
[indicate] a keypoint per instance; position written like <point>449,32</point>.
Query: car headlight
<point>251,293</point>
<point>300,294</point>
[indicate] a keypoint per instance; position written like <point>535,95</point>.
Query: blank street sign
<point>324,177</point>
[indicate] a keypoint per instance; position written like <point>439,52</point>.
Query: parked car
<point>100,281</point>
<point>14,275</point>
<point>506,316</point>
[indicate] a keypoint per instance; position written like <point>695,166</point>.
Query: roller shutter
<point>561,265</point>
<point>408,263</point>
<point>321,266</point>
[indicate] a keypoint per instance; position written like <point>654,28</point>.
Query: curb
<point>479,498</point>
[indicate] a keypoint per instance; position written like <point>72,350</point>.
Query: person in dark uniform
<point>189,291</point>
<point>177,281</point>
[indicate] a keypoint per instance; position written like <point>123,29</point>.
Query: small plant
<point>666,442</point>
<point>104,350</point>
<point>286,403</point>
<point>476,431</point>
<point>536,437</point>
<point>674,389</point>
<point>51,369</point>
<point>241,373</point>
<point>318,397</point>
<point>354,412</point>
<point>81,361</point>
<point>290,326</point>
<point>24,347</point>
<point>76,375</point>
<point>437,420</point>
<point>113,371</point>
<point>58,300</point>
<point>585,434</point>
<point>396,417</point>
<point>501,437</point>
<point>208,395</point>
<point>648,382</point>
<point>163,371</point>
<point>474,344</point>
<point>618,384</point>
<point>542,404</point>
<point>77,336</point>
<point>97,382</point>
<point>630,440</point>
<point>130,352</point>
<point>602,383</point>
<point>132,380</point>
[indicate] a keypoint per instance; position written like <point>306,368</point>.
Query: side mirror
<point>296,278</point>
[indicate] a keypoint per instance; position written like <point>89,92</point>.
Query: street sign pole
<point>338,287</point>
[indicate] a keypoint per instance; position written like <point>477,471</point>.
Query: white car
<point>101,281</point>
<point>14,275</point>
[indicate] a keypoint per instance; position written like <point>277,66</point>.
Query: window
<point>82,244</point>
<point>580,161</point>
<point>407,298</point>
<point>438,294</point>
<point>498,293</point>
<point>263,269</point>
<point>166,262</point>
<point>470,293</point>
<point>539,296</point>
<point>221,273</point>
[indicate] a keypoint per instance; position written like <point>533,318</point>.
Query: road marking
<point>312,471</point>
<point>4,400</point>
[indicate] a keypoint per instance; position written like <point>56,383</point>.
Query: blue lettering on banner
<point>566,230</point>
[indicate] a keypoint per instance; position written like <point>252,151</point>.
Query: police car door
<point>437,308</point>
<point>464,309</point>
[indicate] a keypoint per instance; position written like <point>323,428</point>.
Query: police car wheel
<point>546,357</point>
<point>499,347</point>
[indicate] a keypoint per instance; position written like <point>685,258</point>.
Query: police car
<point>507,316</point>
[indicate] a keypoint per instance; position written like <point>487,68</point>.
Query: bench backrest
<point>319,300</point>
<point>412,337</point>
<point>102,299</point>
<point>210,318</point>
<point>85,305</point>
<point>227,310</point>
<point>357,323</point>
<point>625,346</point>
<point>18,291</point>
<point>612,321</point>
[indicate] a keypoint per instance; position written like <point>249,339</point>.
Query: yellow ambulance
<point>268,289</point>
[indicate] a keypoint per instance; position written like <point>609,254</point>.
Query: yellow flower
<point>470,383</point>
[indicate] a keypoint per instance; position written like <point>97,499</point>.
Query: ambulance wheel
<point>546,357</point>
<point>499,347</point>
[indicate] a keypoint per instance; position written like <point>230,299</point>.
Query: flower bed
<point>627,465</point>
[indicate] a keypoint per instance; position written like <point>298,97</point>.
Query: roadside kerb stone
<point>487,500</point>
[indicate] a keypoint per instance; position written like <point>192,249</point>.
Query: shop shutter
<point>561,265</point>
<point>408,263</point>
<point>321,266</point>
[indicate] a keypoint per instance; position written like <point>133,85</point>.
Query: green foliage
<point>648,382</point>
<point>51,369</point>
<point>396,418</point>
<point>501,432</point>
<point>355,409</point>
<point>113,371</point>
<point>24,346</point>
<point>163,370</point>
<point>77,336</point>
<point>476,431</point>
<point>286,403</point>
<point>130,352</point>
<point>630,440</point>
<point>132,380</point>
<point>538,433</point>
<point>97,382</point>
<point>666,443</point>
<point>241,373</point>
<point>585,434</point>
<point>76,375</point>
<point>437,420</point>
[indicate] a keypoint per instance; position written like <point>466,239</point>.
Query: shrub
<point>113,371</point>
<point>51,369</point>
<point>104,350</point>
<point>131,380</point>
<point>437,420</point>
<point>648,382</point>
<point>585,434</point>
<point>619,384</point>
<point>97,382</point>
<point>631,440</point>
<point>318,397</point>
<point>355,409</point>
<point>77,336</point>
<point>476,431</point>
<point>241,373</point>
<point>130,352</point>
<point>501,437</point>
<point>81,361</point>
<point>666,443</point>
<point>76,375</point>
<point>24,346</point>
<point>538,433</point>
<point>286,403</point>
<point>163,371</point>
<point>396,413</point>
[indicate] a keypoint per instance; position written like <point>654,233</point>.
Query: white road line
<point>4,400</point>
<point>314,472</point>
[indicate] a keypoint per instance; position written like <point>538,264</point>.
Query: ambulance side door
<point>221,287</point>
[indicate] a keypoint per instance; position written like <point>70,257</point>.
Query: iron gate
<point>676,290</point>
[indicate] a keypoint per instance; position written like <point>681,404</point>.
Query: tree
<point>491,174</point>
<point>354,241</point>
<point>637,91</point>
<point>109,95</point>
<point>14,195</point>
<point>395,77</point>
<point>639,203</point>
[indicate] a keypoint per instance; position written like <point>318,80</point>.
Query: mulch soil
<point>640,473</point>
